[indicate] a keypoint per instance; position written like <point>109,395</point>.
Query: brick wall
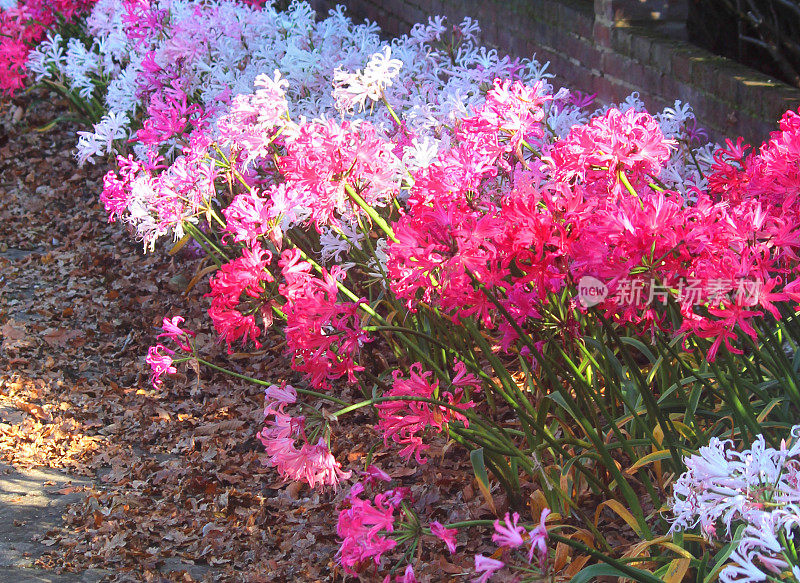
<point>594,46</point>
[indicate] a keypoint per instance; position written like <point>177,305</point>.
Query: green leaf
<point>723,554</point>
<point>479,469</point>
<point>591,572</point>
<point>662,454</point>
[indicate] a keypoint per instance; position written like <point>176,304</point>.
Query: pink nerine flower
<point>620,141</point>
<point>509,535</point>
<point>407,576</point>
<point>323,335</point>
<point>538,540</point>
<point>279,396</point>
<point>404,421</point>
<point>173,331</point>
<point>448,535</point>
<point>374,474</point>
<point>487,566</point>
<point>362,528</point>
<point>241,281</point>
<point>160,363</point>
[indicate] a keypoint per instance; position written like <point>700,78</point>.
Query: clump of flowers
<point>405,421</point>
<point>160,357</point>
<point>365,525</point>
<point>23,24</point>
<point>758,488</point>
<point>311,463</point>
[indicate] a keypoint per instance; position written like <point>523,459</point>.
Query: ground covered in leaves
<point>172,485</point>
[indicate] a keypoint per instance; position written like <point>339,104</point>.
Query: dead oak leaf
<point>61,337</point>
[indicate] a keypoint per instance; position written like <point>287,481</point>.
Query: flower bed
<point>580,298</point>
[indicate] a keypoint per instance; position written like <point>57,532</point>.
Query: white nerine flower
<point>47,58</point>
<point>759,487</point>
<point>420,153</point>
<point>8,4</point>
<point>355,88</point>
<point>100,142</point>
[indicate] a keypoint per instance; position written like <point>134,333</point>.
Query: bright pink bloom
<point>311,464</point>
<point>323,335</point>
<point>23,27</point>
<point>324,157</point>
<point>362,528</point>
<point>160,363</point>
<point>448,535</point>
<point>510,534</point>
<point>170,114</point>
<point>404,421</point>
<point>241,282</point>
<point>374,474</point>
<point>629,141</point>
<point>173,331</point>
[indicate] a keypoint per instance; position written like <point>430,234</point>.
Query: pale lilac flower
<point>351,89</point>
<point>538,540</point>
<point>487,566</point>
<point>757,487</point>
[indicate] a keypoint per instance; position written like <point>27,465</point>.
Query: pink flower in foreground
<point>173,331</point>
<point>374,474</point>
<point>407,576</point>
<point>509,535</point>
<point>404,421</point>
<point>160,363</point>
<point>487,566</point>
<point>278,395</point>
<point>538,540</point>
<point>448,535</point>
<point>312,464</point>
<point>240,284</point>
<point>362,528</point>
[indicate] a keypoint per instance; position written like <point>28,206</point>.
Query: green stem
<point>268,383</point>
<point>371,212</point>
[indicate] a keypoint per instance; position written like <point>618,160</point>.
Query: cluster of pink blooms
<point>405,421</point>
<point>236,291</point>
<point>366,526</point>
<point>22,26</point>
<point>323,335</point>
<point>510,535</point>
<point>758,488</point>
<point>159,357</point>
<point>311,463</point>
<point>592,204</point>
